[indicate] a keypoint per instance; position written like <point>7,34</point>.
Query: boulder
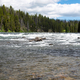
<point>36,39</point>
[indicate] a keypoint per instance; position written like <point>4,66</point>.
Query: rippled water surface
<point>57,57</point>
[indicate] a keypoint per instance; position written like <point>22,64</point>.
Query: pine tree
<point>79,27</point>
<point>17,24</point>
<point>4,9</point>
<point>1,17</point>
<point>12,23</point>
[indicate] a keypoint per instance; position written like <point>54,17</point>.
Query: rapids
<point>58,55</point>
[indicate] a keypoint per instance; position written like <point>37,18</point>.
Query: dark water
<point>57,57</point>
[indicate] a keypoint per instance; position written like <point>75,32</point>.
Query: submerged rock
<point>23,37</point>
<point>78,37</point>
<point>50,44</point>
<point>36,78</point>
<point>31,40</point>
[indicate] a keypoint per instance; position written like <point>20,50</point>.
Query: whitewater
<point>55,57</point>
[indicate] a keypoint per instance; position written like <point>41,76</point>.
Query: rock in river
<point>78,37</point>
<point>36,39</point>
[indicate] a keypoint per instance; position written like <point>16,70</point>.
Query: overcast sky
<point>58,9</point>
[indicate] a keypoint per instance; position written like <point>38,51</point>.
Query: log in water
<point>57,57</point>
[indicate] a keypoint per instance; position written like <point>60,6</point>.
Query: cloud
<point>49,8</point>
<point>70,10</point>
<point>45,1</point>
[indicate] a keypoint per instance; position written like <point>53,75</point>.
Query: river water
<point>55,58</point>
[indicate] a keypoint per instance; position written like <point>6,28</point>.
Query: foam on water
<point>51,38</point>
<point>58,54</point>
<point>33,35</point>
<point>11,35</point>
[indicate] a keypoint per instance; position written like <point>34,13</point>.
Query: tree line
<point>18,21</point>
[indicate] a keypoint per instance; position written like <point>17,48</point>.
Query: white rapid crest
<point>52,39</point>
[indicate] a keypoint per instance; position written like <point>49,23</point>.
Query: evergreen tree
<point>1,17</point>
<point>79,27</point>
<point>17,24</point>
<point>12,23</point>
<point>15,20</point>
<point>4,9</point>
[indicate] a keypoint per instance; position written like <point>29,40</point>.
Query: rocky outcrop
<point>36,39</point>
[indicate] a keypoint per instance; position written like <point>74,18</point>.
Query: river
<point>55,58</point>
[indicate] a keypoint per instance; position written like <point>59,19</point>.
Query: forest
<point>18,21</point>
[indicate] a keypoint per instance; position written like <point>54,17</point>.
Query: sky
<point>57,9</point>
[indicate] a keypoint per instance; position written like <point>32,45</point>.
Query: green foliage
<point>64,31</point>
<point>17,24</point>
<point>2,29</point>
<point>79,27</point>
<point>9,31</point>
<point>19,21</point>
<point>1,14</point>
